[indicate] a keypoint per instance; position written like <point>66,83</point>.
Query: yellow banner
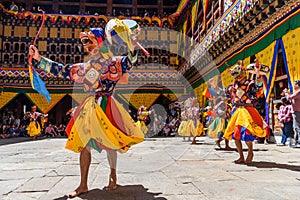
<point>172,96</point>
<point>42,103</point>
<point>194,15</point>
<point>6,97</point>
<point>141,99</point>
<point>265,57</point>
<point>79,97</point>
<point>292,50</point>
<point>199,94</point>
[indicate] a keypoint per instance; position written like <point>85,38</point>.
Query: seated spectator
<point>21,9</point>
<point>114,13</point>
<point>127,12</point>
<point>61,130</point>
<point>11,131</point>
<point>23,131</point>
<point>13,6</point>
<point>33,10</point>
<point>49,131</point>
<point>167,130</point>
<point>146,14</point>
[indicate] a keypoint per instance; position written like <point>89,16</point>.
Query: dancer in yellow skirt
<point>141,119</point>
<point>245,124</point>
<point>35,122</point>
<point>190,124</point>
<point>99,122</point>
<point>183,123</point>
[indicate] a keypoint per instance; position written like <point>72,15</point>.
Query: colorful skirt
<point>33,129</point>
<point>104,126</point>
<point>199,130</point>
<point>245,124</point>
<point>182,129</point>
<point>216,128</point>
<point>142,126</point>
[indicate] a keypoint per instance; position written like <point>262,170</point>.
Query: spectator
<point>61,130</point>
<point>33,10</point>
<point>50,132</point>
<point>127,12</point>
<point>17,122</point>
<point>60,11</point>
<point>23,131</point>
<point>167,130</point>
<point>11,119</point>
<point>11,131</point>
<point>146,13</point>
<point>114,13</point>
<point>5,120</point>
<point>13,6</point>
<point>295,98</point>
<point>21,9</point>
<point>285,117</point>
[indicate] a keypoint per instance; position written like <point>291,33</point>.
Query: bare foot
<point>239,161</point>
<point>194,141</point>
<point>249,158</point>
<point>78,191</point>
<point>218,143</point>
<point>112,185</point>
<point>228,148</point>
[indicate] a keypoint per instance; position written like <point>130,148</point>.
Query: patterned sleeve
<point>281,112</point>
<point>57,69</point>
<point>129,61</point>
<point>287,113</point>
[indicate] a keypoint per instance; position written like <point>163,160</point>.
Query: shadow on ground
<point>234,149</point>
<point>15,140</point>
<point>126,192</point>
<point>263,164</point>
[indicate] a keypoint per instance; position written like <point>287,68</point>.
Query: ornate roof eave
<point>236,40</point>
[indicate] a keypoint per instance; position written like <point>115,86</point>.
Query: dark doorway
<point>57,114</point>
<point>17,105</point>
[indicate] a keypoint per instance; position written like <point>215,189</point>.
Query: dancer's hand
<point>35,52</point>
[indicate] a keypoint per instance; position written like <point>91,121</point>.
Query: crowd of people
<point>13,125</point>
<point>115,12</point>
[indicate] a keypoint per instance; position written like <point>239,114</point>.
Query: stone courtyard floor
<point>159,168</point>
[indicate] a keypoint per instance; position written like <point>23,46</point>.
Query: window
<point>16,46</point>
<point>52,57</point>
<point>16,59</point>
<point>122,1</point>
<point>77,59</point>
<point>147,2</point>
<point>7,46</point>
<point>6,58</point>
<point>22,59</point>
<point>68,48</point>
<point>68,59</point>
<point>62,49</point>
<point>53,48</point>
<point>23,47</point>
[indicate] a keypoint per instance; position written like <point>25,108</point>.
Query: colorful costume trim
<point>245,124</point>
<point>217,127</point>
<point>92,122</point>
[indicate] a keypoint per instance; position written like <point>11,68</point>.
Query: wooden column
<point>82,6</point>
<point>109,6</point>
<point>28,5</point>
<point>134,7</point>
<point>55,6</point>
<point>160,7</point>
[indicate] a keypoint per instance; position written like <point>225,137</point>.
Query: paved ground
<point>159,168</point>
